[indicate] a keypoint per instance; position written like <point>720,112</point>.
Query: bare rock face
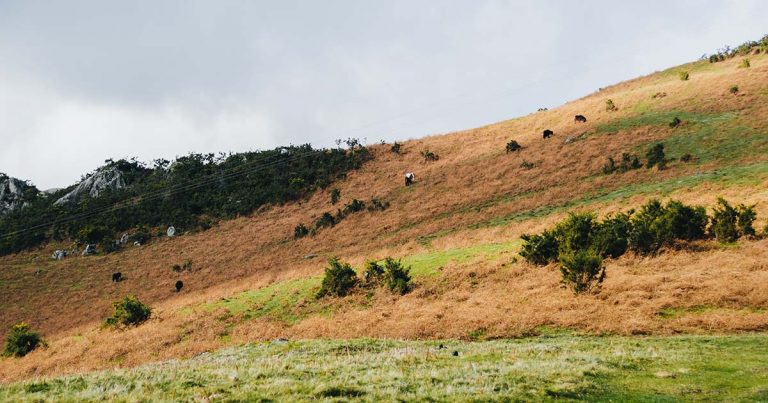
<point>14,193</point>
<point>106,178</point>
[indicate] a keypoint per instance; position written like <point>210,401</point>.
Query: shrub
<point>396,148</point>
<point>610,106</point>
<point>610,166</point>
<point>684,75</point>
<point>21,341</point>
<point>373,273</point>
<point>675,122</point>
<point>93,234</point>
<point>656,157</point>
<point>429,155</point>
<point>576,233</point>
<point>644,233</point>
<point>128,312</point>
<point>378,205</point>
<point>730,223</point>
<point>142,235</point>
<point>354,206</point>
<point>513,146</point>
<point>744,64</point>
<point>582,270</point>
<point>335,195</point>
<point>611,236</point>
<point>686,158</point>
<point>325,220</point>
<point>734,89</point>
<point>300,231</point>
<point>187,266</point>
<point>540,249</point>
<point>396,278</point>
<point>527,165</point>
<point>339,279</point>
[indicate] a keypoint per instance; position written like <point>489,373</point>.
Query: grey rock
<point>171,232</point>
<point>14,193</point>
<point>108,178</point>
<point>125,238</point>
<point>90,249</point>
<point>311,256</point>
<point>136,243</point>
<point>59,254</point>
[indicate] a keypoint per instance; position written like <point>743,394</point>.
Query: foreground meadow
<point>560,366</point>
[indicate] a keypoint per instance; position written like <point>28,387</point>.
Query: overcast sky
<point>82,81</point>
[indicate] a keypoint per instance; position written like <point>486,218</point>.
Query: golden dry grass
<point>475,194</point>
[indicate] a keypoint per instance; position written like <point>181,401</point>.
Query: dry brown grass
<point>473,182</point>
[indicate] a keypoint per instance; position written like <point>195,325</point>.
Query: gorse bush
<point>610,106</point>
<point>734,89</point>
<point>128,312</point>
<point>744,64</point>
<point>339,279</point>
<point>513,146</point>
<point>656,156</point>
<point>731,223</point>
<point>527,165</point>
<point>429,155</point>
<point>540,249</point>
<point>582,270</point>
<point>300,231</point>
<point>21,341</point>
<point>396,148</point>
<point>684,75</point>
<point>325,220</point>
<point>628,162</point>
<point>335,195</point>
<point>675,122</point>
<point>378,205</point>
<point>580,242</point>
<point>396,277</point>
<point>354,206</point>
<point>373,273</point>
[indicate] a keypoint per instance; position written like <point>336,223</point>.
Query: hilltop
<point>458,227</point>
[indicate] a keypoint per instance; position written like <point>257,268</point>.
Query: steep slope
<point>459,228</point>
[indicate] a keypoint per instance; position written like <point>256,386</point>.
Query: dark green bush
<point>527,165</point>
<point>513,146</point>
<point>354,206</point>
<point>373,273</point>
<point>611,236</point>
<point>686,158</point>
<point>582,270</point>
<point>128,312</point>
<point>656,156</point>
<point>610,106</point>
<point>325,220</point>
<point>675,122</point>
<point>540,249</point>
<point>684,75</point>
<point>610,166</point>
<point>576,233</point>
<point>429,155</point>
<point>339,279</point>
<point>645,235</point>
<point>21,341</point>
<point>335,195</point>
<point>396,277</point>
<point>378,205</point>
<point>396,147</point>
<point>628,163</point>
<point>93,234</point>
<point>141,235</point>
<point>680,221</point>
<point>734,89</point>
<point>657,226</point>
<point>300,231</point>
<point>730,223</point>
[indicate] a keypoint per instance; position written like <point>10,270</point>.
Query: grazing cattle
<point>580,119</point>
<point>548,133</point>
<point>179,285</point>
<point>409,178</point>
<point>117,277</point>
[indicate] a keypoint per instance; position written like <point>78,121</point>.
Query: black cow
<point>179,285</point>
<point>548,133</point>
<point>580,118</point>
<point>117,277</point>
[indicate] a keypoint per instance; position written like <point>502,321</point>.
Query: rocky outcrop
<point>14,193</point>
<point>108,178</point>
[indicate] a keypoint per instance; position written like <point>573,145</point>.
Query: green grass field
<point>555,367</point>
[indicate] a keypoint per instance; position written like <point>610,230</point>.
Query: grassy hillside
<point>458,227</point>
